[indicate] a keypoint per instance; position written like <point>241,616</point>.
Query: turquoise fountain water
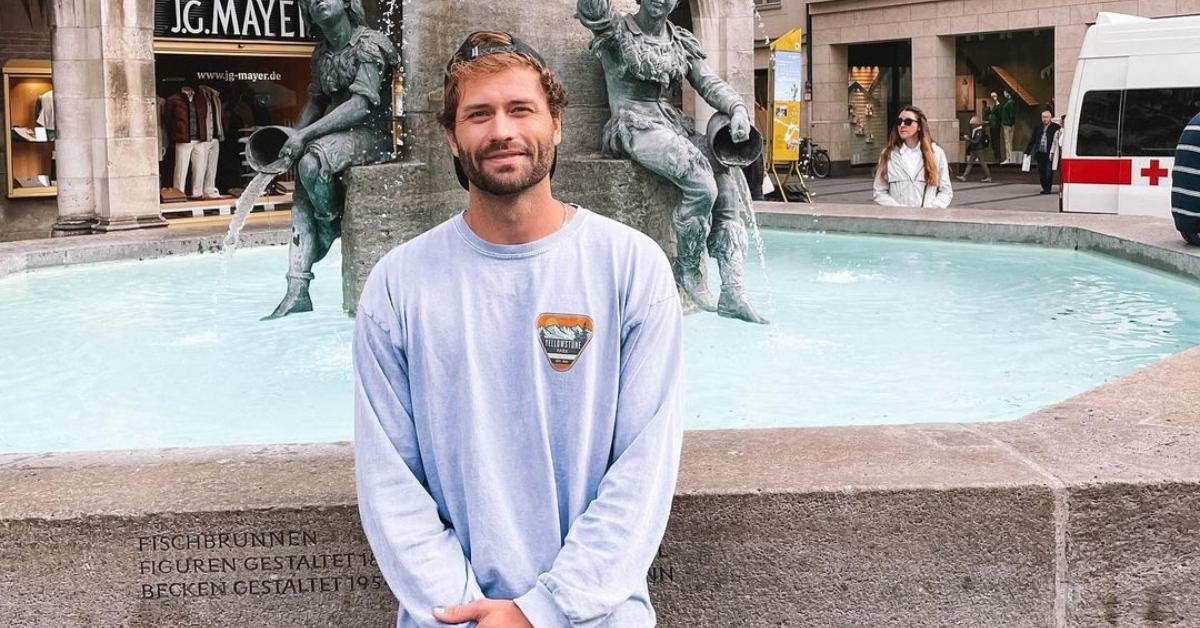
<point>170,352</point>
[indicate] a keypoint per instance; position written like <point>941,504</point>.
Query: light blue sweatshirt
<point>518,420</point>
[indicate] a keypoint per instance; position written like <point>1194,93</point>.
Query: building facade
<point>869,57</point>
<point>24,34</point>
<point>113,157</point>
<point>126,111</point>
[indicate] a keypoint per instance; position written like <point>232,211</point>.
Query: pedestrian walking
<point>1056,151</point>
<point>1040,145</point>
<point>976,145</point>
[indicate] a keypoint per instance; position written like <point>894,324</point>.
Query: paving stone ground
<point>1010,189</point>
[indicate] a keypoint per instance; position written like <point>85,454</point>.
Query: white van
<point>1136,86</point>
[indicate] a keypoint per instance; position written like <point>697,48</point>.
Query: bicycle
<point>814,160</point>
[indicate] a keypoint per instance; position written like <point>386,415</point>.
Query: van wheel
<point>1192,237</point>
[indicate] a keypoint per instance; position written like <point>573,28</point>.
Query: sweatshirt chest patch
<point>563,337</point>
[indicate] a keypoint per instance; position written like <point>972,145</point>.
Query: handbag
<point>1025,163</point>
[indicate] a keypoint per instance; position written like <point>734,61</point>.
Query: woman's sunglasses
<point>906,121</point>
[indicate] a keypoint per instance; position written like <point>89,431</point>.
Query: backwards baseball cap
<point>469,52</point>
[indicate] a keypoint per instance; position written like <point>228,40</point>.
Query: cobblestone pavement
<point>1011,190</point>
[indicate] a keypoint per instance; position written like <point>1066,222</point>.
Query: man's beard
<point>541,156</point>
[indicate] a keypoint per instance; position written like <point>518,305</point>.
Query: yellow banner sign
<point>785,131</point>
<point>787,80</point>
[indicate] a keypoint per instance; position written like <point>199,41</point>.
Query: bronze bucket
<point>262,149</point>
<point>728,152</point>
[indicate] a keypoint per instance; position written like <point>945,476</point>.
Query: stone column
<point>725,29</point>
<point>933,88</point>
<point>76,67</point>
<point>1067,42</point>
<point>830,103</point>
<point>104,101</point>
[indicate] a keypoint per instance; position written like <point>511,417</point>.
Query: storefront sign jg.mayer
<point>274,20</point>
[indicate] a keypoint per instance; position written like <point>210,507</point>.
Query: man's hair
<point>488,64</point>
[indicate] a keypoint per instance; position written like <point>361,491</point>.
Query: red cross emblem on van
<point>1154,172</point>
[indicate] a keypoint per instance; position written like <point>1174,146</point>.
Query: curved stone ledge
<point>25,255</point>
<point>1084,513</point>
<point>1142,239</point>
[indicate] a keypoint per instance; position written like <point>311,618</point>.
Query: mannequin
<point>45,113</point>
<point>186,116</point>
<point>1008,117</point>
<point>991,116</point>
<point>45,120</point>
<point>216,133</point>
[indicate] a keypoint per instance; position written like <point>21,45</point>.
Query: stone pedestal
<point>71,226</point>
<point>104,99</point>
<point>389,204</point>
<point>386,206</point>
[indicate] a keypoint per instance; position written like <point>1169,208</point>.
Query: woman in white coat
<point>912,170</point>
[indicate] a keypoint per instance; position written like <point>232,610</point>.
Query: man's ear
<point>451,141</point>
<point>558,130</point>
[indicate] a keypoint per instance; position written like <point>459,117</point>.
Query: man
<point>518,404</point>
<point>1185,183</point>
<point>1040,144</point>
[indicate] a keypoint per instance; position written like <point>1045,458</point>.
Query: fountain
<point>1081,512</point>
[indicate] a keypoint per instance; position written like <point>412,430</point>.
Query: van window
<point>1154,118</point>
<point>1098,119</point>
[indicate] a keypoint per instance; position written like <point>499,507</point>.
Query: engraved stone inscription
<point>266,562</point>
<point>661,570</point>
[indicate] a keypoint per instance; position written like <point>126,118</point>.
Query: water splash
<point>245,203</point>
<point>845,276</point>
<point>388,17</point>
<point>760,26</point>
<point>760,248</point>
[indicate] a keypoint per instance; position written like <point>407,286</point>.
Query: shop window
<point>29,114</point>
<point>1153,119</point>
<point>203,157</point>
<point>1099,118</point>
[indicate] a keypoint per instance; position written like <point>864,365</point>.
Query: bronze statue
<point>646,58</point>
<point>352,69</point>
